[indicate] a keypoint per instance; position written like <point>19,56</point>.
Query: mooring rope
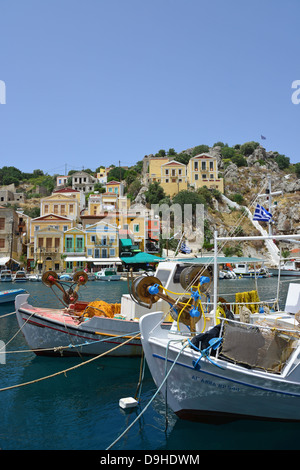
<point>72,345</point>
<point>149,403</point>
<point>70,368</point>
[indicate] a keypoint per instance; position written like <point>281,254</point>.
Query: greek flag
<point>261,214</point>
<point>184,248</point>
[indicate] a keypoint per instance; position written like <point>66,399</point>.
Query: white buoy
<point>128,402</point>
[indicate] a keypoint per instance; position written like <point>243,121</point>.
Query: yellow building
<point>173,177</point>
<point>154,169</point>
<point>102,242</point>
<point>115,187</point>
<point>46,241</point>
<point>61,204</point>
<point>203,171</point>
<point>10,246</point>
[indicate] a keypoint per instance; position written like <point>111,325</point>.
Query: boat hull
<point>55,332</point>
<point>212,393</point>
<point>285,272</point>
<point>10,295</point>
<point>113,277</point>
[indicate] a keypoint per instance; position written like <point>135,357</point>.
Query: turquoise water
<point>80,410</point>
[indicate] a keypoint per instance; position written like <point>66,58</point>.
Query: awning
<point>76,258</point>
<point>101,261</point>
<point>126,241</point>
<point>94,260</point>
<point>141,258</point>
<point>5,260</point>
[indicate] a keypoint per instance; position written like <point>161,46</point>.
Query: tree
<point>188,197</point>
<point>99,187</point>
<point>155,193</point>
<point>282,161</point>
<point>116,174</point>
<point>129,176</point>
<point>297,169</point>
<point>200,149</point>
<point>10,175</point>
<point>248,147</point>
<point>227,152</point>
<point>239,160</point>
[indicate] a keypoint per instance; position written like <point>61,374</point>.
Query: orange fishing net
<point>100,308</point>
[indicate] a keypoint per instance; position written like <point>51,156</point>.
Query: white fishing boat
<point>226,365</point>
<point>246,270</point>
<point>108,274</point>
<point>6,275</point>
<point>288,268</point>
<point>10,295</point>
<point>34,277</point>
<point>20,276</point>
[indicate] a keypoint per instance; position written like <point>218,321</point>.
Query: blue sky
<point>96,82</point>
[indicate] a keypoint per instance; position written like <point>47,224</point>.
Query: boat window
<point>163,275</point>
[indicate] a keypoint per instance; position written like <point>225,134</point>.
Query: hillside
<point>246,176</point>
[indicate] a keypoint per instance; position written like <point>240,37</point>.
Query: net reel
<point>194,276</point>
<point>147,290</point>
<point>69,296</point>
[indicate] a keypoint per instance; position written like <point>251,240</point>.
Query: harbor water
<point>79,409</point>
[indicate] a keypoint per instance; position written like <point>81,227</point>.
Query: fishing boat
<point>10,295</point>
<point>20,276</point>
<point>107,274</point>
<point>226,364</point>
<point>34,277</point>
<point>6,275</point>
<point>78,328</point>
<point>289,268</point>
<point>65,277</point>
<point>244,270</point>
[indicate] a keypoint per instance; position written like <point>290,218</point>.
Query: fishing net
<point>249,298</point>
<point>101,308</point>
<point>261,346</point>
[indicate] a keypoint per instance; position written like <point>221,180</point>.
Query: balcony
<point>73,249</point>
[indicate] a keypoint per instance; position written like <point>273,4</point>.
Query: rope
<point>149,403</point>
<point>7,315</point>
<point>69,369</point>
<point>86,343</point>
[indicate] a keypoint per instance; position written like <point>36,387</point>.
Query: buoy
<point>128,402</point>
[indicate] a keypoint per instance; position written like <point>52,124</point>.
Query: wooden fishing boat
<point>78,328</point>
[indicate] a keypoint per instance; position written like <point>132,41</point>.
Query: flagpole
<point>269,195</point>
